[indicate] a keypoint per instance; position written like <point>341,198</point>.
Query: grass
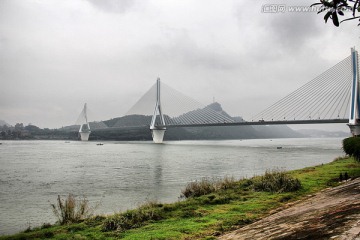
<point>203,216</point>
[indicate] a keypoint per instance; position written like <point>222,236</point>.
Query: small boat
<point>99,144</point>
<point>279,148</point>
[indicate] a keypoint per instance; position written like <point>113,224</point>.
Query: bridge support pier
<point>84,136</point>
<point>84,130</point>
<point>354,129</point>
<point>157,131</point>
<point>158,135</point>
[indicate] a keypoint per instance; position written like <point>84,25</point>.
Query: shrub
<point>199,188</point>
<point>71,210</point>
<point>276,181</point>
<point>227,183</point>
<point>134,218</point>
<point>206,186</point>
<point>351,147</point>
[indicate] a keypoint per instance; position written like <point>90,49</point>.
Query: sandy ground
<point>331,214</point>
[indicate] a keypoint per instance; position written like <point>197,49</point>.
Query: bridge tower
<point>84,130</point>
<point>157,125</point>
<point>354,119</point>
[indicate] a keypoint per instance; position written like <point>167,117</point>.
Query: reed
<point>71,210</point>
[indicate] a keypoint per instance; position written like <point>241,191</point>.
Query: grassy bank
<point>226,205</point>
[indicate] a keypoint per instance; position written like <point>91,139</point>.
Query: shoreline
<point>206,216</point>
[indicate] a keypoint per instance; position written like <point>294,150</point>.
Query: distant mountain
<point>129,121</point>
<point>3,123</point>
<point>320,133</point>
<point>93,126</point>
<point>217,108</point>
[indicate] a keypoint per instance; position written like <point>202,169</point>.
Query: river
<point>122,175</point>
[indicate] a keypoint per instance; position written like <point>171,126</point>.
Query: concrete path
<point>331,214</point>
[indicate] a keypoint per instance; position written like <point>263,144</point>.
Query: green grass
<point>202,217</point>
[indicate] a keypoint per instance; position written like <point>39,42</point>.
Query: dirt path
<point>331,214</point>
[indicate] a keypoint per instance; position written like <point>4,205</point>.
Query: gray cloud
<point>113,6</point>
<point>56,55</point>
<point>182,48</point>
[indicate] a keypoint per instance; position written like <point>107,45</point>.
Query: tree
<point>19,126</point>
<point>337,8</point>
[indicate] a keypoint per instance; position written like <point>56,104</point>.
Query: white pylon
<point>354,123</point>
<point>158,132</point>
<point>84,131</point>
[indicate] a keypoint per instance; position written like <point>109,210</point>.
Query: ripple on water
<point>122,175</point>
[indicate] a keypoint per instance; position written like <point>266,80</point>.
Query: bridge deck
<point>283,122</point>
<point>259,123</point>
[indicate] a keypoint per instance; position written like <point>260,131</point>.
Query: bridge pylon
<point>84,130</point>
<point>354,119</point>
<point>157,125</point>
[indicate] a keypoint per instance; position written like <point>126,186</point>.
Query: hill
<point>136,127</point>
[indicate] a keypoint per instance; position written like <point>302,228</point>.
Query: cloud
<point>113,6</point>
<point>108,53</point>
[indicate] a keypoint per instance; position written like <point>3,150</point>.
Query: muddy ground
<point>331,214</point>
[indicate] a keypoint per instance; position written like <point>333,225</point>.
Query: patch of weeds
<point>190,213</point>
<point>150,211</point>
<point>48,234</point>
<point>71,210</point>
<point>220,200</point>
<point>342,158</point>
<point>352,165</point>
<point>246,184</point>
<point>220,227</point>
<point>333,182</point>
<point>285,198</point>
<point>94,221</point>
<point>227,183</point>
<point>206,186</point>
<point>169,208</point>
<point>244,221</point>
<point>199,188</point>
<point>212,237</point>
<point>308,169</point>
<point>75,228</point>
<point>276,181</point>
<point>28,229</point>
<point>45,226</point>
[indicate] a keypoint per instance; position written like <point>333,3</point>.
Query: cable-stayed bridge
<point>331,97</point>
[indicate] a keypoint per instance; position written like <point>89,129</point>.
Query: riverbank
<point>333,213</point>
<point>204,217</point>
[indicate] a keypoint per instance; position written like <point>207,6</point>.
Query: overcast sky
<point>55,55</point>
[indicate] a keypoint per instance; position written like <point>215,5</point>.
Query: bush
<point>199,188</point>
<point>206,186</point>
<point>134,218</point>
<point>276,181</point>
<point>71,210</point>
<point>351,147</point>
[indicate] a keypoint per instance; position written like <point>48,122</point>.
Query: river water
<point>122,175</point>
